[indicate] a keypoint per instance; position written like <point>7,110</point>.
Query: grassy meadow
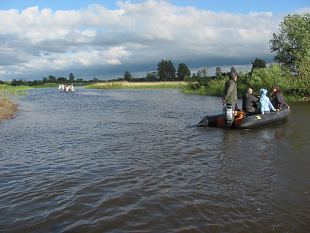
<point>137,85</point>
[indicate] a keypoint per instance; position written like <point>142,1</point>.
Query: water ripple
<point>133,161</point>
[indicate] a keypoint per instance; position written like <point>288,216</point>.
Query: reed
<point>137,85</point>
<point>8,90</point>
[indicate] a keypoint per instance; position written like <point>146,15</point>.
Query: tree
<point>127,76</point>
<point>71,77</point>
<point>62,80</point>
<point>218,72</point>
<point>268,77</point>
<point>183,71</point>
<point>258,63</point>
<point>292,44</point>
<point>166,70</point>
<point>14,82</point>
<point>19,82</point>
<point>51,79</point>
<point>151,76</point>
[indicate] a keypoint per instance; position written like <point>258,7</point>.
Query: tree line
<point>51,79</point>
<point>292,53</point>
<point>166,71</point>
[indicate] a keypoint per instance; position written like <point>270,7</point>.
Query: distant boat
<point>66,88</point>
<point>244,122</point>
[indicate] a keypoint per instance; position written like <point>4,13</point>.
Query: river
<point>134,161</point>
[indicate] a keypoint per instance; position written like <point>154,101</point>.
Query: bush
<point>275,75</point>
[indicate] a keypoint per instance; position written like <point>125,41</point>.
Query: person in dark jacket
<point>277,99</point>
<point>249,102</point>
<point>230,92</point>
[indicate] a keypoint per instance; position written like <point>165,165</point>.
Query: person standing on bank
<point>230,91</point>
<point>249,102</point>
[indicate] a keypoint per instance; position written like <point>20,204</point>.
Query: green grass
<point>137,85</point>
<point>214,88</point>
<point>8,90</point>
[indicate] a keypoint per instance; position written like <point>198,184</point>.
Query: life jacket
<point>239,115</point>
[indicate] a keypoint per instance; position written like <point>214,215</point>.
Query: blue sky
<point>236,6</point>
<point>40,38</point>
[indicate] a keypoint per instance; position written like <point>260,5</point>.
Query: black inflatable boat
<point>244,122</point>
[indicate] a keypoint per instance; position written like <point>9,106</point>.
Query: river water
<point>134,161</point>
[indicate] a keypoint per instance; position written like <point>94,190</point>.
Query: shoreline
<point>137,85</point>
<point>8,110</point>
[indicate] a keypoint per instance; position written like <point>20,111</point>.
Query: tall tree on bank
<point>258,63</point>
<point>292,44</point>
<point>183,71</point>
<point>166,70</point>
<point>71,77</point>
<point>127,76</point>
<point>218,72</point>
<point>151,76</point>
<point>51,79</point>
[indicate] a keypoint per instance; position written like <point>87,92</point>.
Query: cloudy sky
<point>103,39</point>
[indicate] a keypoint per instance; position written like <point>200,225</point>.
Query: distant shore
<point>137,85</point>
<point>7,110</point>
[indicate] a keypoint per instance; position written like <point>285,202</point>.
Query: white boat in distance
<point>67,88</point>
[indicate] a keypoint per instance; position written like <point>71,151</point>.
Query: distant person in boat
<point>265,104</point>
<point>249,102</point>
<point>230,91</point>
<point>277,99</point>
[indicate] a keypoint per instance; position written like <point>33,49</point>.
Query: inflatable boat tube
<point>245,122</point>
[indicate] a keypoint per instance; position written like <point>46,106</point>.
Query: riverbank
<point>7,109</point>
<point>137,85</point>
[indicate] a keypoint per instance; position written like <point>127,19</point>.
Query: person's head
<point>250,90</point>
<point>275,88</point>
<point>233,76</point>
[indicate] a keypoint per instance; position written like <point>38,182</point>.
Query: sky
<point>103,39</point>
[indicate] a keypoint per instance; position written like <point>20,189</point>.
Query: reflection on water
<point>133,161</point>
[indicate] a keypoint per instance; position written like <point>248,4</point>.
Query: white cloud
<point>44,40</point>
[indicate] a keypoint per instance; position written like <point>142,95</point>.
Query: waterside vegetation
<point>138,85</point>
<point>7,107</point>
<point>7,90</point>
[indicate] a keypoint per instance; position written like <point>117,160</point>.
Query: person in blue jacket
<point>265,104</point>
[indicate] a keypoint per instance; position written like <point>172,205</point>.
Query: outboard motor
<point>229,115</point>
